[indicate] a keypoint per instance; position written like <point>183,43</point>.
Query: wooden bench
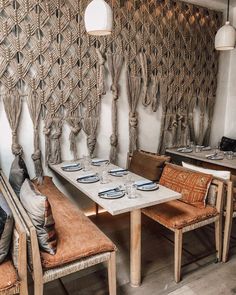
<point>80,243</point>
<point>13,272</point>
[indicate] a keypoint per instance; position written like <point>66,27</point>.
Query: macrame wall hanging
<point>46,57</point>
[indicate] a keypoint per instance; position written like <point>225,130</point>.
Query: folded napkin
<point>143,182</point>
<point>117,170</point>
<point>99,160</point>
<point>86,176</point>
<point>108,190</point>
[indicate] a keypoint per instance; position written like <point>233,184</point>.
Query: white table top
<point>122,205</point>
<point>202,157</point>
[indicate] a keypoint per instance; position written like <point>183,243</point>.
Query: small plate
<point>100,163</point>
<point>112,195</point>
<point>149,187</point>
<point>118,173</point>
<point>206,148</point>
<point>216,158</point>
<point>90,179</point>
<point>71,168</point>
<point>185,150</point>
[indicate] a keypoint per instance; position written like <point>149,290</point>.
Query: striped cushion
<point>39,210</point>
<point>192,185</point>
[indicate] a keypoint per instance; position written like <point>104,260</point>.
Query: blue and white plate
<point>88,179</point>
<point>115,194</point>
<point>185,150</point>
<point>71,167</point>
<point>99,162</point>
<point>118,172</point>
<point>148,187</point>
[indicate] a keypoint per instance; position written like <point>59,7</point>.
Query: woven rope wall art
<point>46,56</point>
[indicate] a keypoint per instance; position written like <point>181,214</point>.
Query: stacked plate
<point>88,178</point>
<point>72,167</point>
<point>146,185</point>
<point>99,162</point>
<point>185,150</point>
<point>111,193</point>
<point>118,172</point>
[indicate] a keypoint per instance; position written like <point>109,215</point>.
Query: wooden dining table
<point>122,205</point>
<point>201,157</point>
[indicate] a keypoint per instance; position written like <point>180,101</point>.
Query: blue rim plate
<point>186,150</point>
<point>112,195</point>
<point>71,169</point>
<point>90,179</point>
<point>99,163</point>
<point>118,173</point>
<point>148,188</point>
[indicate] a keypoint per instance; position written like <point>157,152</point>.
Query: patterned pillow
<point>148,165</point>
<point>192,185</point>
<point>6,228</point>
<point>18,174</point>
<point>39,210</point>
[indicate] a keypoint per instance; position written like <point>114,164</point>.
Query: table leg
<point>135,248</point>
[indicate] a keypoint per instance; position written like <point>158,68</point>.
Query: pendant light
<point>225,37</point>
<point>98,18</point>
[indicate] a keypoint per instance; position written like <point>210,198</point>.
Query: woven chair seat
<point>8,277</point>
<point>177,214</point>
<point>77,236</point>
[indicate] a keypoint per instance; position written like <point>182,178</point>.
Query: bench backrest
<point>34,260</point>
<point>19,244</point>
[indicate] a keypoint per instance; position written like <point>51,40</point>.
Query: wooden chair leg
<point>178,253</point>
<point>112,273</point>
<point>228,222</point>
<point>96,209</point>
<point>218,238</point>
<point>38,288</point>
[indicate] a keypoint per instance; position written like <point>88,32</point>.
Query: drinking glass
<point>104,176</point>
<point>86,162</point>
<point>229,155</point>
<point>131,190</point>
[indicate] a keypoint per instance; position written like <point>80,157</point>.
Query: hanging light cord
<point>228,11</point>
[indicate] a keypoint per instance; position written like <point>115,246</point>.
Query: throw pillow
<point>6,228</point>
<point>18,174</point>
<point>39,210</point>
<point>192,185</point>
<point>148,165</point>
<point>216,173</point>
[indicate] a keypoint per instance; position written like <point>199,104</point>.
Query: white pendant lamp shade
<point>225,37</point>
<point>98,18</point>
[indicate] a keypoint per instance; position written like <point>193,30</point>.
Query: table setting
<point>100,170</point>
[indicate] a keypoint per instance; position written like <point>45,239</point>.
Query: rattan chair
<point>154,213</point>
<point>42,276</point>
<point>14,269</point>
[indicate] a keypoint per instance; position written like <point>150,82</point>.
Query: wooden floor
<point>200,274</point>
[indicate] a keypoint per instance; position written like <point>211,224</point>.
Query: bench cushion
<point>77,236</point>
<point>148,165</point>
<point>193,186</point>
<point>8,276</point>
<point>177,214</point>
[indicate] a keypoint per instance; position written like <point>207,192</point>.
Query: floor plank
<point>201,275</point>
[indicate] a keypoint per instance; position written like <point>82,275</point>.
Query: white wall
<point>149,126</point>
<point>230,118</point>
